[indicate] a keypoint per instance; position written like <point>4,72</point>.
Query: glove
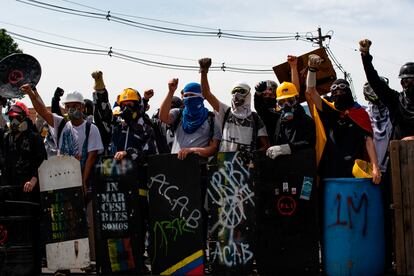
<point>364,45</point>
<point>99,84</point>
<point>58,93</point>
<point>275,151</point>
<point>313,62</point>
<point>205,64</point>
<point>261,87</point>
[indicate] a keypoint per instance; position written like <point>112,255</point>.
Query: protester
<point>294,129</point>
<point>196,131</point>
<point>242,129</point>
<point>346,125</point>
<point>75,137</point>
<point>400,105</point>
<point>381,124</point>
<point>101,109</point>
<point>23,153</point>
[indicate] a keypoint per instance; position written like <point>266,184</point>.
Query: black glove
<point>58,93</point>
<point>261,87</point>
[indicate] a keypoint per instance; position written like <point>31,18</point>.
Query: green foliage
<point>7,45</point>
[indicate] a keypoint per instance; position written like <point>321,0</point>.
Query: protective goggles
<point>288,102</point>
<point>341,86</point>
<point>14,110</point>
<point>239,90</point>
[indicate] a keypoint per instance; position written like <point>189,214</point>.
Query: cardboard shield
<point>230,197</point>
<point>117,215</point>
<point>287,214</point>
<point>63,213</point>
<point>16,70</point>
<point>176,220</point>
<point>324,77</point>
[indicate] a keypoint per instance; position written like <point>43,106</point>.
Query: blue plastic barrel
<point>353,227</point>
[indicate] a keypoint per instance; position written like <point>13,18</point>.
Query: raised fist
<point>172,85</point>
<point>205,64</point>
<point>58,93</point>
<point>148,94</point>
<point>364,45</point>
<point>292,60</point>
<point>99,84</point>
<point>261,87</point>
<point>314,61</point>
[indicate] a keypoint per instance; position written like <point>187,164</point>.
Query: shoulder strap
<point>174,126</point>
<point>211,123</point>
<point>226,116</point>
<point>60,129</point>
<point>277,130</point>
<point>255,129</point>
<point>87,131</point>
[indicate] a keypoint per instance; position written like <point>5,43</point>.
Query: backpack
<point>255,124</point>
<point>177,122</point>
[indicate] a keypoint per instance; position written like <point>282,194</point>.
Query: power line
<point>116,54</point>
<point>151,27</point>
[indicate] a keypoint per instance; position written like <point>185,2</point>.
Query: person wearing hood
<point>197,131</point>
<point>381,124</point>
<point>346,126</point>
<point>242,129</point>
<point>24,152</point>
<point>400,105</point>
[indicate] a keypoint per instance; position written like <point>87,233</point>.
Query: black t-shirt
<point>345,143</point>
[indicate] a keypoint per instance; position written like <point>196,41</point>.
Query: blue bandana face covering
<point>194,113</point>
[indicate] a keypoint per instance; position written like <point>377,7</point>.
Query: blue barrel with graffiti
<point>353,227</point>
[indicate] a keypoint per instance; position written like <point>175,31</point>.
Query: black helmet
<point>407,71</point>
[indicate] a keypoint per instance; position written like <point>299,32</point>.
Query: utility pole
<point>320,38</point>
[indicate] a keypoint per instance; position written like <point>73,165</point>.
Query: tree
<point>7,45</point>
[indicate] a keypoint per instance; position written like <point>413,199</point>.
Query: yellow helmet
<point>129,94</point>
<point>286,90</point>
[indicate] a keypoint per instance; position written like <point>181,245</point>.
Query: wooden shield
<point>324,77</point>
<point>16,70</point>
<point>64,226</point>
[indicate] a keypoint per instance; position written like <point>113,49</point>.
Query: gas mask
<point>129,113</point>
<point>287,108</point>
<point>17,126</point>
<point>74,114</point>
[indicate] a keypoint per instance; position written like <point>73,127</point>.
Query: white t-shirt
<point>200,138</point>
<point>72,138</point>
<point>237,133</point>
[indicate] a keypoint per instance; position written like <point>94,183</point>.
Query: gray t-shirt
<point>200,138</point>
<point>237,133</point>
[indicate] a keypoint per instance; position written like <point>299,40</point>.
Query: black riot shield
<point>118,220</point>
<point>176,220</point>
<point>231,215</point>
<point>16,70</point>
<point>287,215</point>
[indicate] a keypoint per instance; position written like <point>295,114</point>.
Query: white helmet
<point>73,97</point>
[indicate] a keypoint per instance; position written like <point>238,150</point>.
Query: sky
<point>388,24</point>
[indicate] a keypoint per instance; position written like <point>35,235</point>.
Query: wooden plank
<point>324,77</point>
<point>407,177</point>
<point>398,209</point>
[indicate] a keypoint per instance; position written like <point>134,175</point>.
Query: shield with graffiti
<point>176,221</point>
<point>118,220</point>
<point>63,213</point>
<point>16,70</point>
<point>231,213</point>
<point>287,216</point>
